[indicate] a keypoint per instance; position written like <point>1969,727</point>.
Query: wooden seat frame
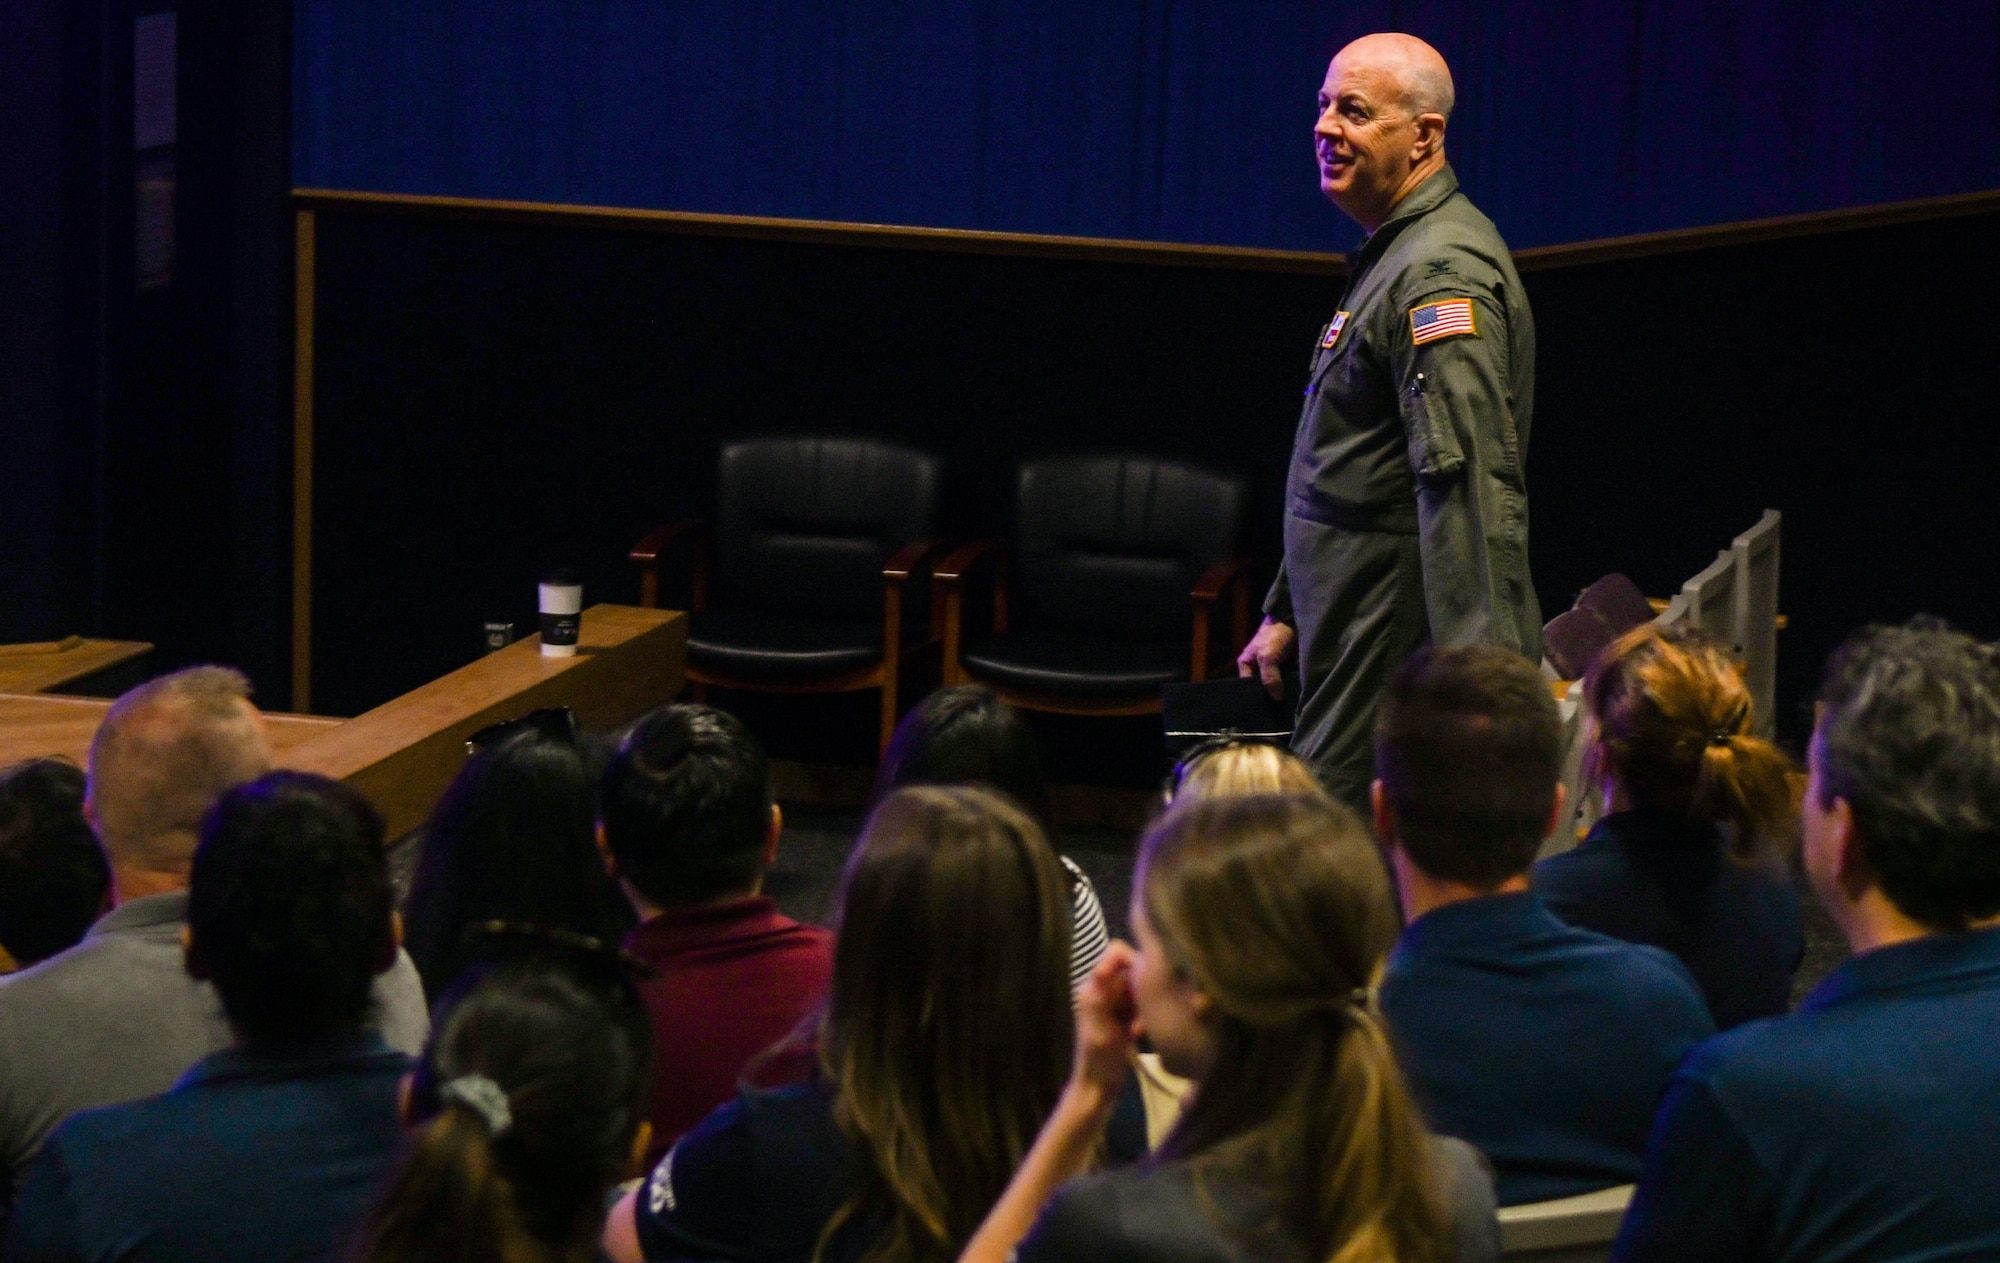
<point>909,562</point>
<point>948,608</point>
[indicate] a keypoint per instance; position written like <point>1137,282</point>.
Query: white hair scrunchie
<point>483,1097</point>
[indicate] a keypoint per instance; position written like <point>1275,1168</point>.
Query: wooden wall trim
<point>305,264</point>
<point>825,232</point>
<point>1750,231</point>
<point>1101,249</point>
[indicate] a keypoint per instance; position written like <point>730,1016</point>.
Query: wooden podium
<point>403,753</point>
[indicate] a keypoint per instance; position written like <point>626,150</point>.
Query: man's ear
<point>604,851</point>
<point>771,838</point>
<point>190,958</point>
<point>1430,137</point>
<point>1850,863</point>
<point>1556,810</point>
<point>1385,815</point>
<point>395,944</point>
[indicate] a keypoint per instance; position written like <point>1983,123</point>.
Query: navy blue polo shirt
<point>1545,1046</point>
<point>1862,1127</point>
<point>249,1156</point>
<point>1658,878</point>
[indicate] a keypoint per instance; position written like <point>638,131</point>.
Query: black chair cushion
<point>754,645</point>
<point>1110,546</point>
<point>1055,662</point>
<point>804,525</point>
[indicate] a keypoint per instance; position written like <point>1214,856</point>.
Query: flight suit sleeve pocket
<point>1435,452</point>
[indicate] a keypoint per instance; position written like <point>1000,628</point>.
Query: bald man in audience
<point>1406,509</point>
<point>117,1017</point>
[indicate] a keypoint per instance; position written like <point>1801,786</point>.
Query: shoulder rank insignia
<point>1333,328</point>
<point>1444,319</point>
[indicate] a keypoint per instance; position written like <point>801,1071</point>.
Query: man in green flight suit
<point>1406,510</point>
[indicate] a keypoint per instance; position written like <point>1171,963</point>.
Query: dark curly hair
<point>289,907</point>
<point>52,874</point>
<point>686,806</point>
<point>1909,736</point>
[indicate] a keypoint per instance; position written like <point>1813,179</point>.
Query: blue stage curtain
<point>1175,120</point>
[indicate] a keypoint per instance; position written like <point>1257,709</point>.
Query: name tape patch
<point>1447,319</point>
<point>1333,328</point>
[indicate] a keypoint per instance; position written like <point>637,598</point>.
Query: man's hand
<point>1274,645</point>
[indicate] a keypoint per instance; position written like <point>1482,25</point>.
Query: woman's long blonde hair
<point>947,1031</point>
<point>1278,909</point>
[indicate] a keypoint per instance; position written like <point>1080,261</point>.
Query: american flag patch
<point>1444,319</point>
<point>1333,328</point>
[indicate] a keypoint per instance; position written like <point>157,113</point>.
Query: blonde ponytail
<point>1277,907</point>
<point>1675,730</point>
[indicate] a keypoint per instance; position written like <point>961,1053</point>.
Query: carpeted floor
<point>817,840</point>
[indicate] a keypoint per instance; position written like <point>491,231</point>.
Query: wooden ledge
<point>1112,250</point>
<point>403,753</point>
<point>37,668</point>
<point>825,232</point>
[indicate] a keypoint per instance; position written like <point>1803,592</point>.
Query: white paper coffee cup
<point>562,613</point>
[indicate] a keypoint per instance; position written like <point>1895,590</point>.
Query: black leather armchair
<point>801,585</point>
<point>1110,590</point>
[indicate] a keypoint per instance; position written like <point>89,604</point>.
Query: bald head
<point>1416,74</point>
<point>164,754</point>
<point>1380,134</point>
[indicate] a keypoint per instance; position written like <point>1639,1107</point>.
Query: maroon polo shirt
<point>734,979</point>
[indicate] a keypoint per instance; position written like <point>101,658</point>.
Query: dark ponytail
<point>449,1200</point>
<point>529,1101</point>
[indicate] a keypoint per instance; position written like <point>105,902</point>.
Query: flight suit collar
<point>1424,199</point>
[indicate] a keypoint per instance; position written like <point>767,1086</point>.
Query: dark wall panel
<point>497,399</point>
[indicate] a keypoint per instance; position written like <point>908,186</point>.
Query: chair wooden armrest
<point>1233,577</point>
<point>948,599</point>
<point>910,561</point>
<point>647,552</point>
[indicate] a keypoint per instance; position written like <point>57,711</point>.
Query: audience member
<point>1230,766</point>
<point>529,1105</point>
<point>968,735</point>
<point>271,1148</point>
<point>53,881</point>
<point>513,839</point>
<point>1259,920</point>
<point>1544,1045</point>
<point>1686,857</point>
<point>943,1045</point>
<point>690,828</point>
<point>117,1017</point>
<point>1859,1128</point>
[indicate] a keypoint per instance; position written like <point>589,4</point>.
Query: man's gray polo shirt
<point>116,1018</point>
